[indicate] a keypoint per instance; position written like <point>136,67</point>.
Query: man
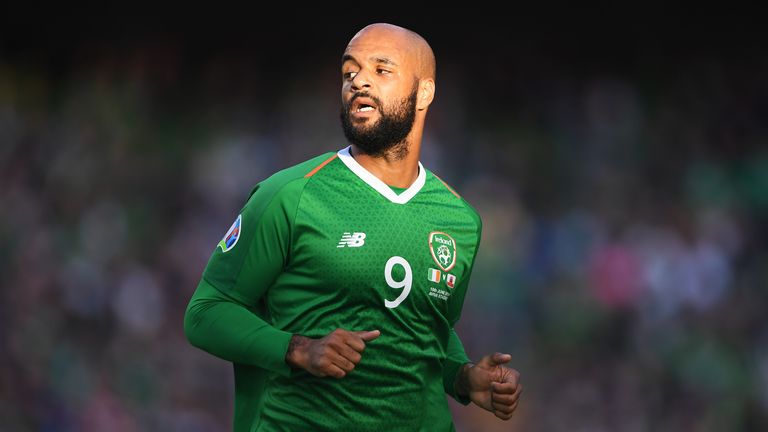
<point>336,290</point>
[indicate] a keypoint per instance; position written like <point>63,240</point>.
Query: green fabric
<point>302,266</point>
<point>397,190</point>
<point>455,359</point>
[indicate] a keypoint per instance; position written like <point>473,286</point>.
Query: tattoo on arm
<point>296,342</point>
<point>461,385</point>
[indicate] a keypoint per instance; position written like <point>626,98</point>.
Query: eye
<point>383,71</point>
<point>349,75</point>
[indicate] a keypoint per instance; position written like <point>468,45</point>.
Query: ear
<point>426,93</point>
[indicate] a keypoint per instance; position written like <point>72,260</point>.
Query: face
<point>394,123</point>
<point>379,93</point>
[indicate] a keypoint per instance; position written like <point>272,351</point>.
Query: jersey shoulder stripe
<point>446,185</point>
<point>272,203</point>
<point>319,167</point>
<point>470,209</point>
<point>305,169</point>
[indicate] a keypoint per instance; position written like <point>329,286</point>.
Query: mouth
<point>363,105</point>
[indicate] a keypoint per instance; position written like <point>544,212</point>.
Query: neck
<point>392,168</point>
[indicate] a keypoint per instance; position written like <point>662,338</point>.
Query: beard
<point>388,134</point>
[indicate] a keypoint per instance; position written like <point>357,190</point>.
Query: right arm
<point>226,328</point>
<point>221,317</point>
<point>219,325</point>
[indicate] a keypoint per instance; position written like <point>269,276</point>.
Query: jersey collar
<point>379,185</point>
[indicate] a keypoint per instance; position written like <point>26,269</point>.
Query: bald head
<point>387,86</point>
<point>412,45</point>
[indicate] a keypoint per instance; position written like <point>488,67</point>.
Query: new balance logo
<point>352,239</point>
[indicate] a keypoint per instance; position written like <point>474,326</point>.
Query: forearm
<point>461,386</point>
<point>296,356</point>
<point>227,329</point>
<point>453,366</point>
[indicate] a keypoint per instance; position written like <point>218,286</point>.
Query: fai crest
<point>230,238</point>
<point>443,249</point>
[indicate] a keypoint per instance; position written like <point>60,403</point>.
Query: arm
<point>226,328</point>
<point>490,385</point>
<point>334,355</point>
<point>456,358</point>
<point>455,361</point>
<point>222,317</point>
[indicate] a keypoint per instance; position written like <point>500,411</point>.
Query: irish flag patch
<point>434,275</point>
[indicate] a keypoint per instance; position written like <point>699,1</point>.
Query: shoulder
<point>454,197</point>
<point>288,182</point>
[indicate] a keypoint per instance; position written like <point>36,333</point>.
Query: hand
<point>492,386</point>
<point>333,355</point>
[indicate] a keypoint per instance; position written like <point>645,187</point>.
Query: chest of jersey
<point>359,260</point>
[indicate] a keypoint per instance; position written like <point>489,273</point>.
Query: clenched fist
<point>333,355</point>
<point>491,385</point>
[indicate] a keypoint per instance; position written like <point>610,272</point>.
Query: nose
<point>360,81</point>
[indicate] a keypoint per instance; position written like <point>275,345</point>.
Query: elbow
<point>192,324</point>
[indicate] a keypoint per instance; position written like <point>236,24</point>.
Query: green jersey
<point>326,245</point>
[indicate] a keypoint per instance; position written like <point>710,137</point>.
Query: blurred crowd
<point>623,264</point>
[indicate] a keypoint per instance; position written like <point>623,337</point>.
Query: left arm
<point>455,360</point>
<point>490,385</point>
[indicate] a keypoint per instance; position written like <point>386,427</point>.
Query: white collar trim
<point>379,185</point>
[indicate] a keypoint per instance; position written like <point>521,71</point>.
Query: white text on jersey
<point>356,239</point>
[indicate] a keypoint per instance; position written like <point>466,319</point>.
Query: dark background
<point>619,162</point>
